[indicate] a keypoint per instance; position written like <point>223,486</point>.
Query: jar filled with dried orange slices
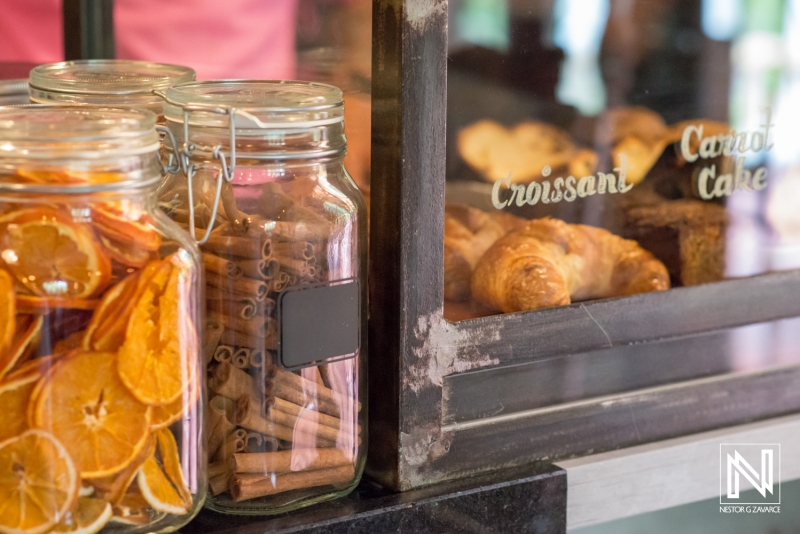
<point>109,82</point>
<point>100,385</point>
<point>282,230</point>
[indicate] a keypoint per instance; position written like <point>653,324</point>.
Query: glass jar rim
<point>258,104</point>
<point>37,136</point>
<point>108,77</point>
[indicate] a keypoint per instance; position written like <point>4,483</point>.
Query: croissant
<point>468,233</point>
<point>551,263</point>
<point>523,151</point>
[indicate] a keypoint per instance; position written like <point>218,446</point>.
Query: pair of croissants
<point>509,264</point>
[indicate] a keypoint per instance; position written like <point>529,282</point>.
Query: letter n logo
<point>746,466</point>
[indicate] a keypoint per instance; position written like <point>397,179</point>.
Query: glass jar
<point>100,382</point>
<point>109,82</point>
<point>282,229</point>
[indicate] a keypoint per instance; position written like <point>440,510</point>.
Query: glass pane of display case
<point>603,148</point>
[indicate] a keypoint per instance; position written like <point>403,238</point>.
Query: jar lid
<point>54,134</point>
<point>258,103</point>
<point>108,76</point>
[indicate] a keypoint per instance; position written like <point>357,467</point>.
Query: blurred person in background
<point>230,39</point>
<point>227,39</point>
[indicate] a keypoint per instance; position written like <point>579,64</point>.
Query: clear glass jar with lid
<point>109,82</point>
<point>282,229</point>
<point>100,381</point>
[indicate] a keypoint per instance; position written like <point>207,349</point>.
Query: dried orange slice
<point>106,330</point>
<point>44,305</point>
<point>125,253</point>
<point>132,510</point>
<point>68,177</point>
<point>157,489</point>
<point>114,488</point>
<point>171,461</point>
<point>164,415</point>
<point>38,483</point>
<point>37,367</point>
<point>156,360</point>
<point>87,517</point>
<point>90,411</point>
<point>14,397</point>
<point>8,309</point>
<point>71,342</point>
<point>29,331</point>
<point>47,177</point>
<point>127,226</point>
<point>51,255</point>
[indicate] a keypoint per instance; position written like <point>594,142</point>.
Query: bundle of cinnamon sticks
<point>270,430</point>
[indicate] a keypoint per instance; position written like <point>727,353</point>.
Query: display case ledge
<point>526,500</point>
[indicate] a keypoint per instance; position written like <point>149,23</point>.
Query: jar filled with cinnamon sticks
<point>282,230</point>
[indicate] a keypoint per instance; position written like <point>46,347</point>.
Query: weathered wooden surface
<point>407,213</point>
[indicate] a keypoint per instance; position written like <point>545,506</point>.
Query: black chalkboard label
<point>318,323</point>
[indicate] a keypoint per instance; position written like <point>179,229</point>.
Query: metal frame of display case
<point>425,371</point>
<point>88,29</point>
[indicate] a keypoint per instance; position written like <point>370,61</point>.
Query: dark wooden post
<point>88,29</point>
<point>409,100</point>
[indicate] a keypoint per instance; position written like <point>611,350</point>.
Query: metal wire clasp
<point>184,154</point>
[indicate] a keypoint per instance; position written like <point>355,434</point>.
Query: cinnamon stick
<point>219,484</point>
<point>224,353</point>
<point>323,371</point>
<point>232,383</point>
<point>259,269</point>
<point>248,415</point>
<point>318,377</point>
<point>290,420</point>
<point>281,461</point>
<point>326,398</point>
<point>221,266</point>
<point>241,358</point>
<point>233,443</point>
<point>218,468</point>
<point>211,341</point>
<point>298,411</point>
<point>298,231</point>
<point>258,358</point>
<point>220,422</point>
<point>293,266</point>
<point>256,443</point>
<point>236,218</point>
<point>244,486</point>
<point>257,326</point>
<point>246,286</point>
<point>243,308</point>
<point>299,250</point>
<point>280,282</point>
<point>243,247</point>
<point>241,339</point>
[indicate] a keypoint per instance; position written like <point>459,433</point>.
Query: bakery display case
<point>581,239</point>
<point>582,231</point>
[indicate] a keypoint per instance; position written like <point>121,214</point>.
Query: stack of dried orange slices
<point>97,360</point>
